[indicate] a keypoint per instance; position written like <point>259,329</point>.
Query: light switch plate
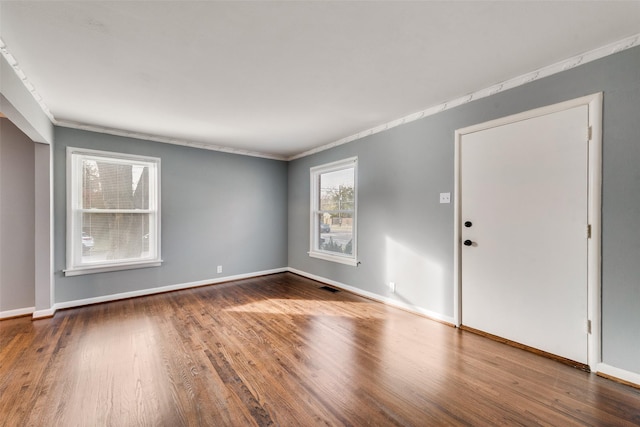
<point>445,197</point>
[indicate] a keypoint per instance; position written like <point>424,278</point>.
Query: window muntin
<point>113,212</point>
<point>333,211</point>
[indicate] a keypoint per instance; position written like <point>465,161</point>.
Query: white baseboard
<point>39,314</point>
<point>42,314</point>
<point>151,291</point>
<point>621,374</point>
<point>376,297</point>
<point>17,312</point>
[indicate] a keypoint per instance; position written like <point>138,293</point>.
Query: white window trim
<point>102,267</point>
<point>314,173</point>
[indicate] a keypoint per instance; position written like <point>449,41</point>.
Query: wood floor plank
<point>278,350</point>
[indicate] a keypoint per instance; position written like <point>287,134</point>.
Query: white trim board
<point>16,312</point>
<point>375,297</point>
<point>151,291</point>
<point>167,140</point>
<point>133,294</point>
<point>594,103</point>
<point>43,314</point>
<point>620,374</point>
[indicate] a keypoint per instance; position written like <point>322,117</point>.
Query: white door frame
<point>594,103</point>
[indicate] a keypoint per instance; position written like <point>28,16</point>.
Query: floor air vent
<point>327,288</point>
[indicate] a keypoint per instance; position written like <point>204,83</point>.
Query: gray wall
<point>217,209</point>
<point>403,170</point>
<point>17,219</point>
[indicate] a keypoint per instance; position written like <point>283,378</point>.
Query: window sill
<point>334,258</point>
<point>107,268</point>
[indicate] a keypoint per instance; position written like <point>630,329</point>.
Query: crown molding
<point>11,60</point>
<point>167,140</point>
<point>558,67</point>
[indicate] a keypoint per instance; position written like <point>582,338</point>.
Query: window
<point>333,211</point>
<point>113,211</point>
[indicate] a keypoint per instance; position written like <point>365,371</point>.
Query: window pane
<point>113,211</point>
<point>336,190</point>
<point>333,207</point>
<point>336,233</point>
<point>111,185</point>
<point>118,236</point>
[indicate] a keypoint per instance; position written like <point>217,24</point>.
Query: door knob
<point>468,224</point>
<point>468,243</point>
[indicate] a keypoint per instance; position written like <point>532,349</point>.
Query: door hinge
<point>589,231</point>
<point>589,133</point>
<point>588,326</point>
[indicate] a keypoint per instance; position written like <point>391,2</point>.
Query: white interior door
<point>524,189</point>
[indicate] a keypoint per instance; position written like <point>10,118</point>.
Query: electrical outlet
<point>219,269</point>
<point>445,197</point>
<point>392,286</point>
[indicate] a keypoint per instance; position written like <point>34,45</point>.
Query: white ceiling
<point>282,78</point>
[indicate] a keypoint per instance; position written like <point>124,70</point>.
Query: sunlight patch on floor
<point>298,307</point>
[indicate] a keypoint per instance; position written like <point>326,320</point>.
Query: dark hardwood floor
<point>278,350</point>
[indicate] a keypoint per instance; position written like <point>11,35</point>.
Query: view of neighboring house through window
<point>113,214</point>
<point>333,211</point>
